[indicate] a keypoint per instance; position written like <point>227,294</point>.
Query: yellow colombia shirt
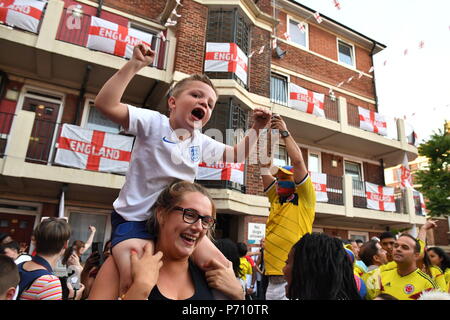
<point>408,287</point>
<point>287,223</point>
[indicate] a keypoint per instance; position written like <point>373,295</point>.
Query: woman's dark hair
<point>445,263</point>
<point>321,270</point>
<point>230,251</point>
<point>242,249</point>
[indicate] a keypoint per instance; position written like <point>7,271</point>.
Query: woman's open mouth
<point>198,113</point>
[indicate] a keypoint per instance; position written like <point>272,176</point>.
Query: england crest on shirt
<point>194,152</point>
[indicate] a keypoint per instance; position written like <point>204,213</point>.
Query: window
<point>97,121</point>
<point>280,158</point>
<point>353,169</point>
<point>279,89</point>
<point>346,53</point>
<point>314,162</point>
<point>297,36</point>
<point>358,235</point>
<point>228,26</point>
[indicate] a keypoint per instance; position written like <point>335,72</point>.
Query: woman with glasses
<point>184,214</point>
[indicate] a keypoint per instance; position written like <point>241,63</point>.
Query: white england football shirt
<point>158,158</point>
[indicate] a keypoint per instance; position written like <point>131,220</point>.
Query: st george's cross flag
<point>226,57</point>
<point>306,100</point>
<point>319,181</point>
<point>23,14</point>
<point>110,37</point>
<point>221,171</point>
<point>379,197</point>
<point>372,121</point>
<point>93,150</point>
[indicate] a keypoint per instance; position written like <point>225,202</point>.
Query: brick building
<point>49,77</point>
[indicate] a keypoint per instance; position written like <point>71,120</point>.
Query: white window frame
<point>356,161</point>
<point>358,233</point>
<point>288,80</point>
<point>85,116</point>
<point>288,30</point>
<point>353,66</point>
<point>319,154</point>
<point>288,160</point>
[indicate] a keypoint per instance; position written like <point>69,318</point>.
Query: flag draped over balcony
<point>379,197</point>
<point>226,57</point>
<point>405,173</point>
<point>319,181</point>
<point>23,14</point>
<point>110,37</point>
<point>233,172</point>
<point>93,150</point>
<point>306,100</point>
<point>372,121</point>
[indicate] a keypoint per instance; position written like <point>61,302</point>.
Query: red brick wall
<point>373,173</point>
<point>327,168</point>
<point>191,35</point>
<point>322,42</point>
<point>259,70</point>
<point>363,59</point>
<point>70,108</point>
<point>145,9</point>
<point>441,235</point>
<point>265,6</point>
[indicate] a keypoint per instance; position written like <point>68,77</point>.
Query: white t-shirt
<point>22,258</point>
<point>158,158</point>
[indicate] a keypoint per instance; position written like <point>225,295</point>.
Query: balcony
<point>27,166</point>
<point>340,131</point>
<point>57,54</point>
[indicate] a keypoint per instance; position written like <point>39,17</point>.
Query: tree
<point>435,182</point>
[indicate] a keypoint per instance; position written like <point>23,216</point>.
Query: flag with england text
<point>379,197</point>
<point>93,150</point>
<point>226,57</point>
<point>110,37</point>
<point>221,171</point>
<point>306,100</point>
<point>23,14</point>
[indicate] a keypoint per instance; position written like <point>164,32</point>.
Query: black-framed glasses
<point>191,216</point>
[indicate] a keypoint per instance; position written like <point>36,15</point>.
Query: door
<point>18,226</point>
<point>43,129</point>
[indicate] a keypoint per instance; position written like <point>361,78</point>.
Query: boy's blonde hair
<point>181,85</point>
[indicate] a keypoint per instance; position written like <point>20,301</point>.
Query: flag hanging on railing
<point>379,197</point>
<point>109,37</point>
<point>23,14</point>
<point>418,196</point>
<point>93,150</point>
<point>372,121</point>
<point>226,57</point>
<point>319,181</point>
<point>306,100</point>
<point>405,173</point>
<point>221,171</point>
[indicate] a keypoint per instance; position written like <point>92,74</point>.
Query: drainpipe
<point>99,8</point>
<point>373,79</point>
<point>81,95</point>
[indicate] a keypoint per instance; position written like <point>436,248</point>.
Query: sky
<point>415,85</point>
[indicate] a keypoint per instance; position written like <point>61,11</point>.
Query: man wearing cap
<point>292,208</point>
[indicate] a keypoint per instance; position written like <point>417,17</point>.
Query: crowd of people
<point>162,245</point>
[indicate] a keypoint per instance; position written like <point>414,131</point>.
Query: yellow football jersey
<point>287,223</point>
<point>408,287</point>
